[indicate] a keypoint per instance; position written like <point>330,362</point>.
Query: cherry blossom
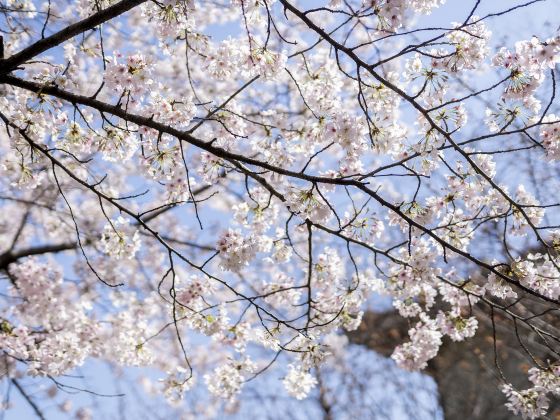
<point>213,198</point>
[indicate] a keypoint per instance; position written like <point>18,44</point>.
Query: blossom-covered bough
<point>220,205</point>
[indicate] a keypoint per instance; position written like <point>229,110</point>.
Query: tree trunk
<point>465,372</point>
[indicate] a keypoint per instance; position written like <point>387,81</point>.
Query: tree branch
<point>9,64</point>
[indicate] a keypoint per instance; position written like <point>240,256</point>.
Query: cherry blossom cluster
<point>391,14</point>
